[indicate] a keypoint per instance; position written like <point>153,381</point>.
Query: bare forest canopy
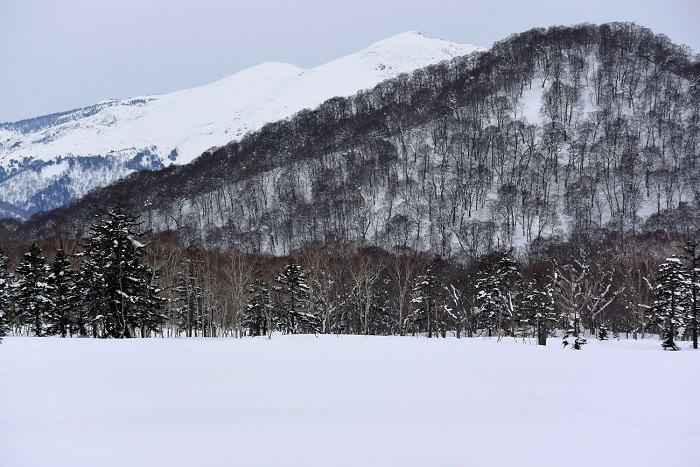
<point>576,149</point>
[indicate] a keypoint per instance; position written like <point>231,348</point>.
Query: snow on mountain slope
<point>150,132</point>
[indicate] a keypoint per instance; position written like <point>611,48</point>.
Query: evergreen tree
<point>673,300</point>
<point>694,278</point>
<point>381,319</point>
<point>294,295</point>
<point>537,309</point>
<point>5,295</point>
<point>424,300</point>
<point>118,289</point>
<point>257,315</point>
<point>64,301</point>
<point>488,299</point>
<point>91,292</point>
<point>497,286</point>
<point>33,292</point>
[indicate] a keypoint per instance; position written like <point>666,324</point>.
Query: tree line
<point>556,171</point>
<point>120,283</point>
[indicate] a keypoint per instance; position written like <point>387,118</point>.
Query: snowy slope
<point>149,132</point>
<point>347,400</point>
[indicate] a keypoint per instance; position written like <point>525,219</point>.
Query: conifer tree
<point>119,290</point>
<point>33,291</point>
<point>257,315</point>
<point>691,250</point>
<point>424,300</point>
<point>91,292</point>
<point>5,297</point>
<point>673,300</point>
<point>64,301</point>
<point>294,295</point>
<point>537,309</point>
<point>497,286</point>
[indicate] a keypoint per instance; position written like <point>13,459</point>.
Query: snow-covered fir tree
<point>6,302</point>
<point>291,309</point>
<point>380,318</point>
<point>673,300</point>
<point>424,300</point>
<point>257,316</point>
<point>692,257</point>
<point>64,301</point>
<point>91,294</point>
<point>33,292</point>
<point>118,289</point>
<point>537,309</point>
<point>497,287</point>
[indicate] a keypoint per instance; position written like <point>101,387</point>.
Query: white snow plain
<point>348,400</point>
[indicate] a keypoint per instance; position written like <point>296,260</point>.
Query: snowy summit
<point>153,131</point>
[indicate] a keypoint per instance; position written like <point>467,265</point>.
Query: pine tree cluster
<point>675,309</point>
<point>113,293</point>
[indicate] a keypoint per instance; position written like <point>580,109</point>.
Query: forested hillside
<point>552,133</point>
<point>537,185</point>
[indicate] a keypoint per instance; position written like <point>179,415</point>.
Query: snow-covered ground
<point>349,400</point>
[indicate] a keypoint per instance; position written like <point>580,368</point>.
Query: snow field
<point>348,400</point>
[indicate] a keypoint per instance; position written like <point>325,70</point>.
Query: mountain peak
<point>175,128</point>
<point>416,41</point>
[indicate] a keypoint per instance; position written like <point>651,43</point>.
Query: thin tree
<point>403,267</point>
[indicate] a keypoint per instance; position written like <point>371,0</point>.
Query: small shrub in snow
<point>578,340</point>
<point>603,334</point>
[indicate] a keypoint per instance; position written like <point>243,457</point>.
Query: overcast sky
<point>59,55</point>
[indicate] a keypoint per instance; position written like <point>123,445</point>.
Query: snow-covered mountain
<point>47,161</point>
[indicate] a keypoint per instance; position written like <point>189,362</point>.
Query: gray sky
<point>58,55</point>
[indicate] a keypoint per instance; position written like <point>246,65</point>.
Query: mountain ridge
<point>155,131</point>
<point>450,159</point>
